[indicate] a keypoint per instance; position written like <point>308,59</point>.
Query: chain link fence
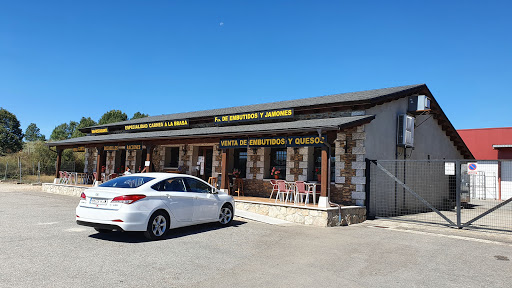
<point>20,170</point>
<point>459,193</point>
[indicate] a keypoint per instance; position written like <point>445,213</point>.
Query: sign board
<point>134,146</point>
<point>292,141</point>
<point>200,159</point>
<point>255,116</point>
<point>161,125</point>
<point>147,163</point>
<point>472,168</point>
<point>79,149</point>
<point>111,148</point>
<point>99,130</point>
<point>449,168</point>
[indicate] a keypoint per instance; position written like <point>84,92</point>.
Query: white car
<point>153,203</point>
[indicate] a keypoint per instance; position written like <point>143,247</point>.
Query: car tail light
<point>82,196</point>
<point>127,199</point>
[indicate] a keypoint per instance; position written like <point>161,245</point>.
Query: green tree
<point>63,131</point>
<point>84,122</point>
<point>33,133</point>
<point>138,115</point>
<point>11,135</point>
<point>112,116</point>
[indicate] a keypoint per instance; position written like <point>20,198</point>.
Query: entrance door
<point>207,153</point>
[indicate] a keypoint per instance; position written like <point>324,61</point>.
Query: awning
<point>326,124</point>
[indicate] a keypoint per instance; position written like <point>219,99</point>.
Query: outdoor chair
<point>282,191</point>
<point>274,187</point>
<point>239,186</point>
<point>302,190</point>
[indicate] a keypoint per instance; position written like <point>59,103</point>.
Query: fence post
<point>457,192</point>
<point>39,172</point>
<point>367,201</point>
<point>19,164</point>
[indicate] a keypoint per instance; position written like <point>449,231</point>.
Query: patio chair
<point>274,187</point>
<point>302,190</point>
<point>61,177</point>
<point>283,190</point>
<point>239,186</point>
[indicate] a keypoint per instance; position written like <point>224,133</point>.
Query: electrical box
<point>405,131</point>
<point>420,103</point>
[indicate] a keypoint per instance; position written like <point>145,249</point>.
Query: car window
<point>194,185</point>
<point>127,182</point>
<point>174,184</point>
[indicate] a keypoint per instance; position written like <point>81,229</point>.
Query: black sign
<point>255,116</point>
<point>159,125</point>
<point>292,141</point>
<point>134,146</point>
<point>110,148</point>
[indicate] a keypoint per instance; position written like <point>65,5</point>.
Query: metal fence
<point>459,193</point>
<point>19,170</point>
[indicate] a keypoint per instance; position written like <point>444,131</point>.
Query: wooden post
<point>224,170</point>
<point>324,172</point>
<point>99,160</point>
<point>149,157</point>
<point>59,160</point>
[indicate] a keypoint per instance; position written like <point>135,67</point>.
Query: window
<point>240,161</point>
<point>317,155</point>
<point>127,182</point>
<point>174,184</point>
<point>172,156</point>
<point>194,185</point>
<point>278,160</point>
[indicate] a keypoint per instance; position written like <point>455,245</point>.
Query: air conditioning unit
<point>420,103</point>
<point>405,129</point>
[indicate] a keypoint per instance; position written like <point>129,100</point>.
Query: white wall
<point>429,138</point>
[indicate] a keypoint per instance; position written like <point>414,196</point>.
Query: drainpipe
<point>319,131</point>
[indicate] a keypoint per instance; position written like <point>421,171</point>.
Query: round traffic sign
<point>472,166</point>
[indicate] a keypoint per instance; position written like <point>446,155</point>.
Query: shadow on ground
<point>138,237</point>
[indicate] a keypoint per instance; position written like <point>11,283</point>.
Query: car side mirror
<point>214,190</point>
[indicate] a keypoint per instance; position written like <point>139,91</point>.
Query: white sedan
<point>153,203</point>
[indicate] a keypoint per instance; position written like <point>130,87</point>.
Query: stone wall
<point>257,188</point>
<point>306,216</point>
<point>350,167</point>
<point>90,160</point>
<point>63,189</point>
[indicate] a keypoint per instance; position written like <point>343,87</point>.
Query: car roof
<point>160,175</point>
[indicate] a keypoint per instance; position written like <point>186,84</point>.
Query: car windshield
<point>127,182</point>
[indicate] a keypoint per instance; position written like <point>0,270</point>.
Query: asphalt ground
<point>41,246</point>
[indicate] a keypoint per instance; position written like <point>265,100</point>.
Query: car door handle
<point>169,196</point>
<point>196,197</point>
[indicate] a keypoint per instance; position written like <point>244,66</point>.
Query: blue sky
<point>61,60</point>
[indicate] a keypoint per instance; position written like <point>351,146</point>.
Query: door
<point>206,206</point>
<point>178,200</point>
<point>206,166</point>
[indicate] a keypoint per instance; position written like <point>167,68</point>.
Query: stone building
<point>324,140</point>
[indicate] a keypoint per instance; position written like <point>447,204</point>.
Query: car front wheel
<point>157,226</point>
<point>226,215</point>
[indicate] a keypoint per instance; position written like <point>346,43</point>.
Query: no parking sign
<point>472,168</point>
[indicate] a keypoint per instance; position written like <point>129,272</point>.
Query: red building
<point>488,143</point>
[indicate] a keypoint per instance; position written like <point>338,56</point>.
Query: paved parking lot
<point>43,247</point>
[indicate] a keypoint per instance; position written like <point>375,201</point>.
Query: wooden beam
<point>59,160</point>
<point>324,172</point>
<point>99,160</point>
<point>224,181</point>
<point>149,157</point>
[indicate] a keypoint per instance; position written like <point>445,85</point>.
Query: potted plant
<point>318,173</point>
<point>236,173</point>
<point>275,172</point>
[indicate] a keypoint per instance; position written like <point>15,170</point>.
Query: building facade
<point>320,139</point>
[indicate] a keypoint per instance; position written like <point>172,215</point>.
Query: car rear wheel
<point>157,226</point>
<point>226,215</point>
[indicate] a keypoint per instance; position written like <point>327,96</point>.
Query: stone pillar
<point>359,166</point>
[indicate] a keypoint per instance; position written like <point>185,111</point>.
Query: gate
<point>456,193</point>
